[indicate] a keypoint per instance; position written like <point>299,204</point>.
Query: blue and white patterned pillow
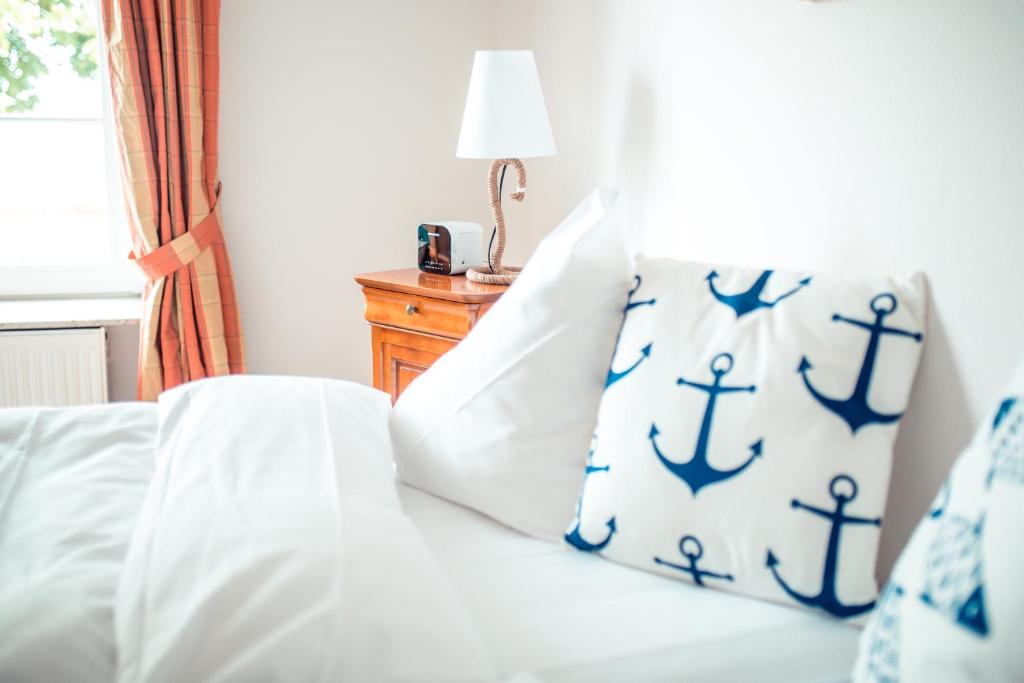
<point>954,606</point>
<point>744,438</point>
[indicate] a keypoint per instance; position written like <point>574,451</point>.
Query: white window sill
<point>54,314</point>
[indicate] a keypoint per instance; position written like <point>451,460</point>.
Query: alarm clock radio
<point>450,247</point>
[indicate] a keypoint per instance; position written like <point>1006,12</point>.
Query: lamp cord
<point>494,230</point>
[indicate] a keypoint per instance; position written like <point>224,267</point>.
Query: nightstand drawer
<point>410,312</point>
<point>415,318</point>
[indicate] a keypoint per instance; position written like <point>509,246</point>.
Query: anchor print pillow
<point>953,609</point>
<point>744,437</point>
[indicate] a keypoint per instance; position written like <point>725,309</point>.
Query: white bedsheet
<point>568,616</point>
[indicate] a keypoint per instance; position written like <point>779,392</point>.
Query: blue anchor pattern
<point>1008,443</point>
<point>615,375</point>
<point>855,409</point>
<point>574,537</point>
<point>954,582</point>
<point>692,549</point>
<point>843,490</point>
<point>883,661</point>
<point>750,300</point>
<point>697,472</point>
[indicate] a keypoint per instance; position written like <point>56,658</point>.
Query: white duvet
<point>270,544</point>
<point>71,485</point>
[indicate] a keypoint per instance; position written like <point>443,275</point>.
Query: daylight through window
<point>59,194</point>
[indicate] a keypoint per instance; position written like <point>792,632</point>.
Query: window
<point>62,229</point>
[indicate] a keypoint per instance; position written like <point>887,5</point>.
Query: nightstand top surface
<point>414,281</point>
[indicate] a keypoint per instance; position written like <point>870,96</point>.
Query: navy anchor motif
<point>692,549</point>
<point>697,472</point>
<point>613,375</point>
<point>750,300</point>
<point>826,598</point>
<point>954,581</point>
<point>574,537</point>
<point>855,409</point>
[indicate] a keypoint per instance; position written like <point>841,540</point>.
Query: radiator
<point>53,367</point>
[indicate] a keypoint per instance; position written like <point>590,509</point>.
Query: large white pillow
<point>953,609</point>
<point>72,481</point>
<point>272,547</point>
<point>744,440</point>
<point>501,423</point>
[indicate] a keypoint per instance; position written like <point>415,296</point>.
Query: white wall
<point>338,129</point>
<point>862,135</point>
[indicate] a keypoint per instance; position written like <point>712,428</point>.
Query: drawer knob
<point>411,308</point>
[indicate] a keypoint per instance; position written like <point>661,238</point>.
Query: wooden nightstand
<point>415,318</point>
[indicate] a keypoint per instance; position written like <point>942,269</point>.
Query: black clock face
<point>435,249</point>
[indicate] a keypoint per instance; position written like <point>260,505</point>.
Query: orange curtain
<point>164,64</point>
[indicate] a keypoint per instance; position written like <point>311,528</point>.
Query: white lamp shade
<point>505,116</point>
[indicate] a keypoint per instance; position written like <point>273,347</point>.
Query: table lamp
<point>505,119</point>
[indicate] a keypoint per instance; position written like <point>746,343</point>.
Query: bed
<point>104,562</point>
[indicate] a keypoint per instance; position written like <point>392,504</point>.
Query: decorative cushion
<point>954,606</point>
<point>744,439</point>
<point>501,423</point>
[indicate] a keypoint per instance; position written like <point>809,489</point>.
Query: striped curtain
<point>164,72</point>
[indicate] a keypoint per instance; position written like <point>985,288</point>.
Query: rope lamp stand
<point>496,273</point>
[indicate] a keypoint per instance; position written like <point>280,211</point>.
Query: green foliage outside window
<point>32,27</point>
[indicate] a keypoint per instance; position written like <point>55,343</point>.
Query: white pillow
<point>72,482</point>
<point>272,546</point>
<point>954,606</point>
<point>501,423</point>
<point>744,410</point>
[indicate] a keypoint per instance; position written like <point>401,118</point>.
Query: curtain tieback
<point>181,251</point>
